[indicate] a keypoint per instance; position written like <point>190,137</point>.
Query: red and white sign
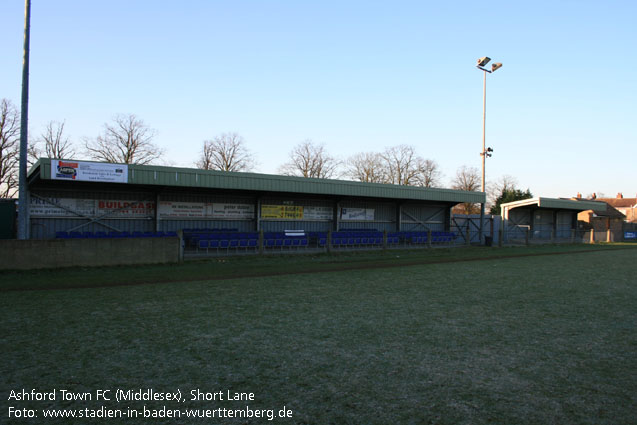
<point>88,171</point>
<point>124,208</point>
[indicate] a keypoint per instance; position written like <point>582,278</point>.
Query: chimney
<point>620,196</point>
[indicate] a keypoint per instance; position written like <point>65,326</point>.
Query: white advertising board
<point>72,207</point>
<point>318,213</point>
<point>182,209</point>
<point>88,171</point>
<point>177,210</point>
<point>238,211</point>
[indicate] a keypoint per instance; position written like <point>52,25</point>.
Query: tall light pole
<point>486,152</point>
<point>23,191</point>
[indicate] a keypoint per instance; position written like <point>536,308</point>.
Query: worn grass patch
<point>544,339</point>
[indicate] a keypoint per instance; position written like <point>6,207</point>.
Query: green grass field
<point>464,336</point>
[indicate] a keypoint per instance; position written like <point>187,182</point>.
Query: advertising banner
<point>72,207</point>
<point>357,214</point>
<point>289,212</point>
<point>176,210</point>
<point>88,171</point>
<point>124,209</point>
<point>181,209</point>
<point>238,211</point>
<point>318,213</point>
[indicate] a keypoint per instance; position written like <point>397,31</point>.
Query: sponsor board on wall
<point>296,212</point>
<point>290,212</point>
<point>237,211</point>
<point>66,207</point>
<point>63,207</point>
<point>318,213</point>
<point>124,208</point>
<point>357,214</point>
<point>176,210</point>
<point>88,171</point>
<point>167,209</point>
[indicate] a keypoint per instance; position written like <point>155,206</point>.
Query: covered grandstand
<point>216,210</point>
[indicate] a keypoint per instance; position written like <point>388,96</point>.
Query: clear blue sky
<point>355,75</point>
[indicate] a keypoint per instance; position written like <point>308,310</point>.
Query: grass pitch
<point>519,340</point>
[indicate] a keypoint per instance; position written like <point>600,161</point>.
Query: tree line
<point>128,139</point>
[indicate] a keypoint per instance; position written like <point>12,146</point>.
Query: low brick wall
<point>54,253</point>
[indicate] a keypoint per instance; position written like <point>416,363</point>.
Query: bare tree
<point>226,152</point>
<point>429,174</point>
<point>366,167</point>
<point>9,148</point>
<point>467,179</point>
<point>127,140</point>
<point>503,184</point>
<point>309,159</point>
<point>401,164</point>
<point>52,143</point>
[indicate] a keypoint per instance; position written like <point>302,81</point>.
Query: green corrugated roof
<point>191,177</point>
<point>557,204</point>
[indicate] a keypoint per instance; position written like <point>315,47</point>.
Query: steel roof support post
<point>257,215</point>
<point>157,220</point>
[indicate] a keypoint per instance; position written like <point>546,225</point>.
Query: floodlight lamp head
<point>496,66</point>
<point>483,61</point>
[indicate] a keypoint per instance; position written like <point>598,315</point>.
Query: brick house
<point>601,221</point>
<point>626,206</point>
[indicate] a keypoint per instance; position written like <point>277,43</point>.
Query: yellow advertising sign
<point>290,212</point>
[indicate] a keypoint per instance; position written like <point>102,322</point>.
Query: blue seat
<point>203,244</point>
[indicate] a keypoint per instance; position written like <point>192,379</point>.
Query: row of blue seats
<point>282,239</point>
<point>105,235</point>
<point>227,243</point>
<point>269,241</point>
<point>423,237</point>
<point>204,229</point>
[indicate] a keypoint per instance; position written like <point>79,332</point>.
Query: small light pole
<point>486,152</point>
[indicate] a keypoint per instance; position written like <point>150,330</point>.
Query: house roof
<point>620,202</point>
<point>610,212</point>
<point>207,179</point>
